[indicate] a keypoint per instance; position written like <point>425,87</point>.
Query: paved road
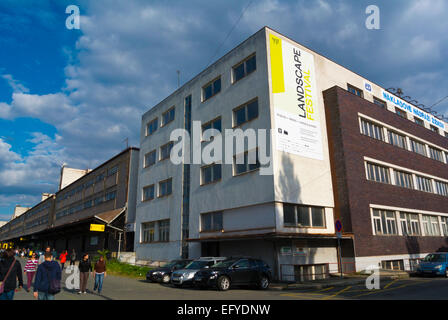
<point>122,288</point>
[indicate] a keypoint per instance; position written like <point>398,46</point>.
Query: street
<point>122,288</point>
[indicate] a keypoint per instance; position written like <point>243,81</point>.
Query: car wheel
<point>166,278</point>
<point>223,283</point>
<point>264,283</point>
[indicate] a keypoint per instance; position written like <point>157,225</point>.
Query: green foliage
<point>120,268</point>
<point>103,253</point>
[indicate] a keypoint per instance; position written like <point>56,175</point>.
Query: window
<point>165,187</point>
<point>401,113</point>
<point>148,232</point>
<point>418,147</point>
<point>246,162</point>
<point>211,221</point>
<point>303,216</point>
<point>98,200</point>
<point>165,150</point>
<point>403,179</point>
<point>434,129</point>
<point>111,195</point>
<point>424,184</point>
<point>392,264</point>
<point>244,68</point>
<point>384,222</point>
<point>210,173</point>
<point>88,204</point>
<point>164,230</point>
<point>444,223</point>
<point>419,122</point>
<point>435,154</point>
<point>112,171</point>
<point>148,193</point>
<point>431,225</point>
<point>377,173</point>
<point>245,113</point>
<point>372,130</point>
<point>442,188</point>
<point>379,102</point>
<point>398,140</point>
<point>98,178</point>
<point>152,127</point>
<point>168,116</point>
<point>211,89</point>
<point>150,158</point>
<point>214,124</point>
<point>355,91</point>
<point>94,240</point>
<point>410,225</point>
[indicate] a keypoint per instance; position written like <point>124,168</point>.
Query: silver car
<point>185,276</point>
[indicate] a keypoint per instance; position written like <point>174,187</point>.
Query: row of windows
<point>385,222</point>
<point>378,132</point>
<point>165,189</point>
<point>379,173</point>
<point>29,214</point>
<point>148,231</point>
<point>87,204</point>
<point>37,222</point>
<point>303,216</point>
<point>398,111</point>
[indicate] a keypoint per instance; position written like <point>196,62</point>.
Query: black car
<point>163,274</point>
<point>235,272</point>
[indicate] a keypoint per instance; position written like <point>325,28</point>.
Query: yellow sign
<point>97,227</point>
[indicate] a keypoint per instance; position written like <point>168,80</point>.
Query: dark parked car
<point>235,271</point>
<point>163,274</point>
<point>185,276</point>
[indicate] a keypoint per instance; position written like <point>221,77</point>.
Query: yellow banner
<point>97,227</point>
<point>278,78</point>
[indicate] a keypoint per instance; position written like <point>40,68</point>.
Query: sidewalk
<point>336,281</point>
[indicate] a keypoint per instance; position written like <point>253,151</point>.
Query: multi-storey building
<point>286,217</point>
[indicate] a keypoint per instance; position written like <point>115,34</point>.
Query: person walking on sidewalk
<point>42,256</point>
<point>85,266</point>
<point>30,270</point>
<point>73,257</point>
<point>48,279</point>
<point>63,258</point>
<point>10,270</point>
<point>99,273</point>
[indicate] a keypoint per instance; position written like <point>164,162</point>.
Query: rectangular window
<point>372,130</point>
<point>403,179</point>
<point>164,230</point>
<point>244,68</point>
<point>435,154</point>
<point>377,173</point>
<point>211,89</point>
<point>419,122</point>
<point>214,124</point>
<point>431,225</point>
<point>148,193</point>
<point>211,221</point>
<point>168,116</point>
<point>303,216</point>
<point>246,162</point>
<point>165,150</point>
<point>379,102</point>
<point>112,171</point>
<point>444,222</point>
<point>165,187</point>
<point>355,90</point>
<point>152,127</point>
<point>148,232</point>
<point>398,140</point>
<point>424,184</point>
<point>384,222</point>
<point>150,158</point>
<point>245,113</point>
<point>418,147</point>
<point>442,188</point>
<point>401,113</point>
<point>410,224</point>
<point>210,173</point>
<point>434,128</point>
<point>111,195</point>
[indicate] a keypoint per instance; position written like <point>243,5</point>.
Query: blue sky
<point>56,84</point>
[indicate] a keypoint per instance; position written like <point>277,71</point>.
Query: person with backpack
<point>73,257</point>
<point>30,270</point>
<point>48,279</point>
<point>10,270</point>
<point>63,258</point>
<point>85,266</point>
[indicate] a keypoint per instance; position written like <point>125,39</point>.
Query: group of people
<point>47,272</point>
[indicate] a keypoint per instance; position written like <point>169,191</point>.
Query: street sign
<point>97,227</point>
<point>338,225</point>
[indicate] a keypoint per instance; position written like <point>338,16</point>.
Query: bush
<point>119,268</point>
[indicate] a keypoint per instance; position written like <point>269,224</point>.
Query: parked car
<point>435,264</point>
<point>235,271</point>
<point>185,276</point>
<point>163,274</point>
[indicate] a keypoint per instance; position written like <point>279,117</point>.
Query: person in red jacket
<point>63,258</point>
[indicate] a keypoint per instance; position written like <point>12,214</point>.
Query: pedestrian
<point>85,266</point>
<point>48,279</point>
<point>54,253</point>
<point>63,258</point>
<point>42,256</point>
<point>73,257</point>
<point>99,274</point>
<point>30,270</point>
<point>10,272</point>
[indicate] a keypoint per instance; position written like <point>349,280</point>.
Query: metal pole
<point>340,256</point>
<point>119,245</point>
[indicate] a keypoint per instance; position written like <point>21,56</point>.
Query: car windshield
<point>197,264</point>
<point>224,264</point>
<point>434,258</point>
